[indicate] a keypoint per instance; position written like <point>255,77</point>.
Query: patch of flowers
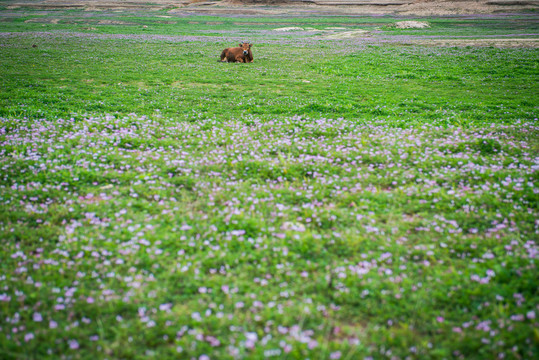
<point>289,237</point>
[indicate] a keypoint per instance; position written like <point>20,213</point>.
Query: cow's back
<point>231,53</point>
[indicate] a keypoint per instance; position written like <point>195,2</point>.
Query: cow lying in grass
<point>241,54</point>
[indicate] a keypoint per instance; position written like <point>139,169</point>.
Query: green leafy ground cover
<point>333,200</point>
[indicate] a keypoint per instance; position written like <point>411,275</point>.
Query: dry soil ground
<point>349,7</point>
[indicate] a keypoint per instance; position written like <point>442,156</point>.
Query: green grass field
<point>364,198</point>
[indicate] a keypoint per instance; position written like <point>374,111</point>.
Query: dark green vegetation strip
<point>332,200</point>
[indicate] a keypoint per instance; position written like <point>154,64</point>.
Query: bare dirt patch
<point>351,7</point>
<point>114,22</point>
<point>347,34</point>
<point>289,28</point>
<point>43,21</point>
<point>93,4</point>
<point>412,25</point>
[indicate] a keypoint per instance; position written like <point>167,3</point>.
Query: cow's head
<point>245,47</point>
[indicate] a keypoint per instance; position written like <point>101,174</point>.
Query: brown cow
<point>241,54</point>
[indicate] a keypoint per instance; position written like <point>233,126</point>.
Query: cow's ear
<point>250,45</point>
<point>241,44</point>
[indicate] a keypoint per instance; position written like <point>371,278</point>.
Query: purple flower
<point>37,317</point>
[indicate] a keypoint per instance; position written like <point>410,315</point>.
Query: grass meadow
<point>362,198</point>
